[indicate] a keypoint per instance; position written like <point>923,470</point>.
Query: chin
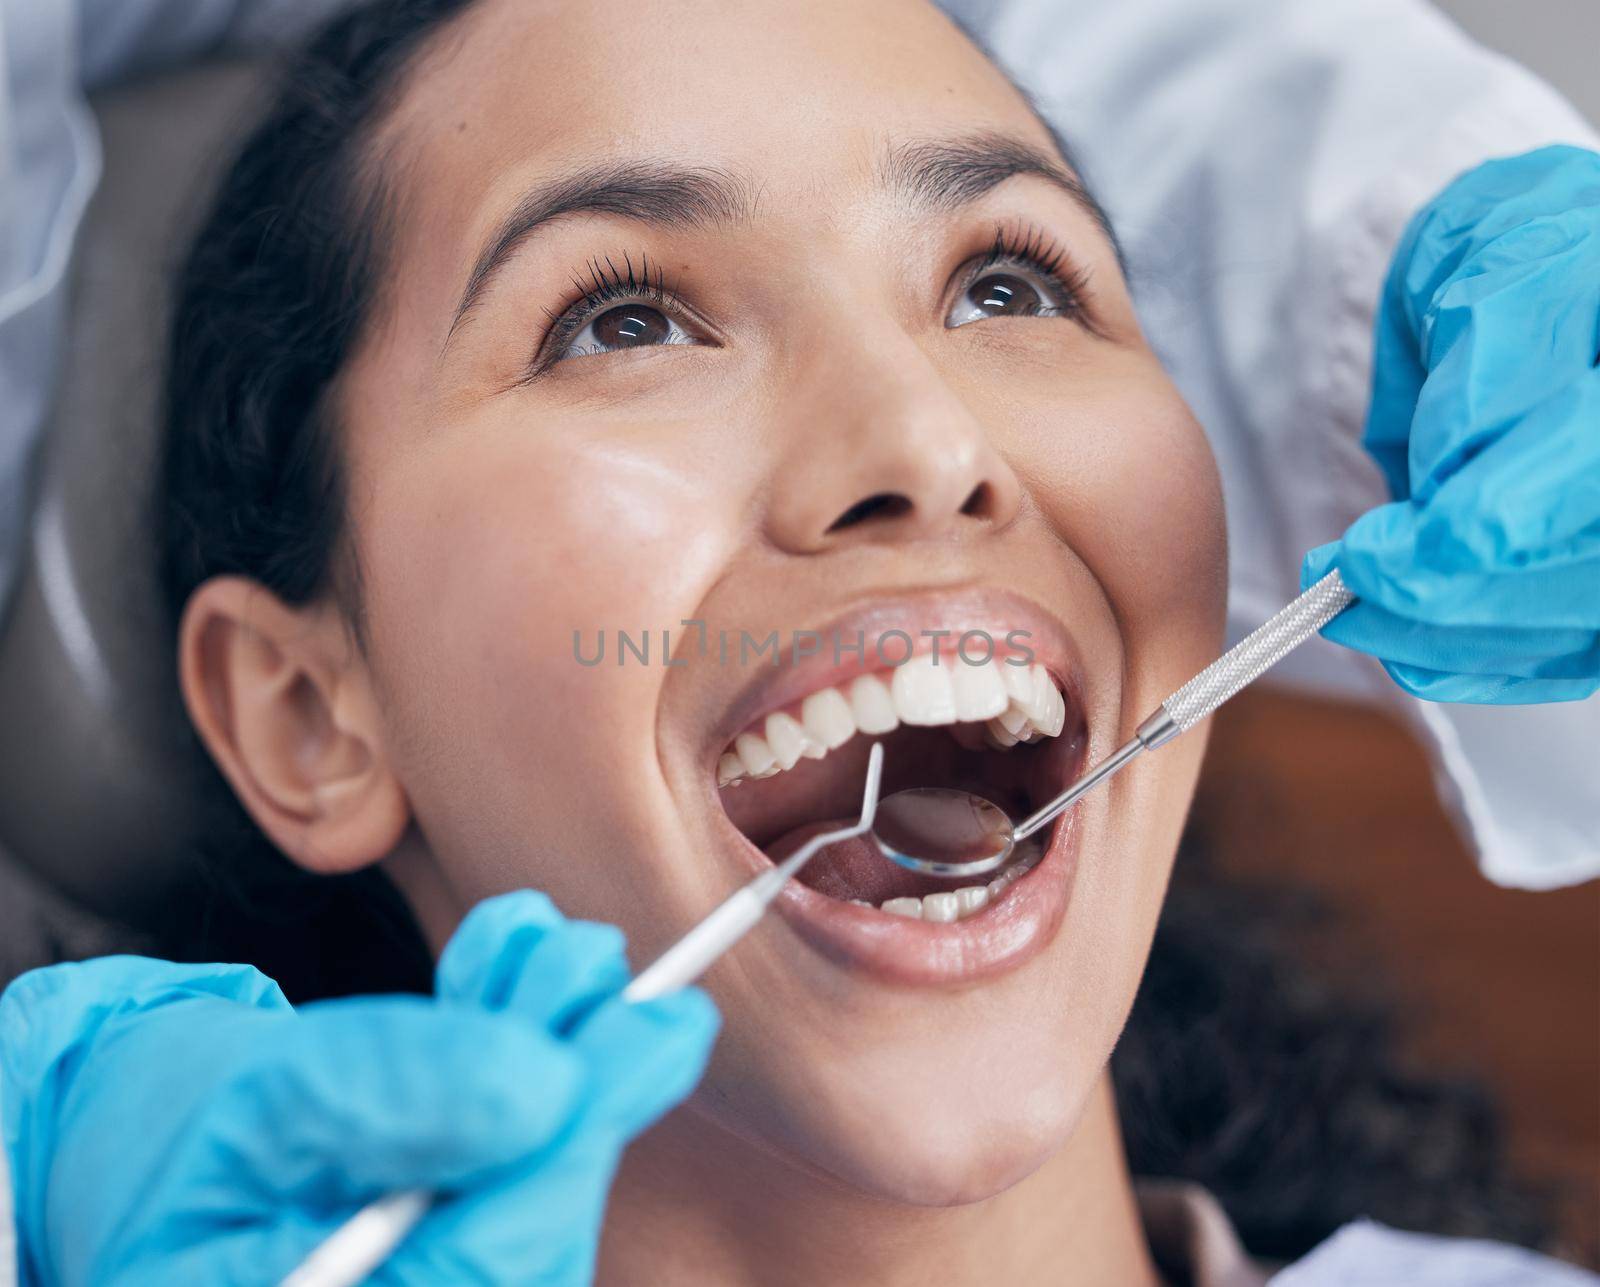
<point>945,1152</point>
<point>923,1123</point>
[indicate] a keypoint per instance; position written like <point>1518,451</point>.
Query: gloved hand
<point>1481,581</point>
<point>183,1124</point>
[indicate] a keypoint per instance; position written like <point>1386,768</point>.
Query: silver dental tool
<point>946,832</point>
<point>368,1238</point>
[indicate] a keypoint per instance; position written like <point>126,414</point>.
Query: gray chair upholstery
<point>93,787</point>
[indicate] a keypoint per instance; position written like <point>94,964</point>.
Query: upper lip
<point>991,609</point>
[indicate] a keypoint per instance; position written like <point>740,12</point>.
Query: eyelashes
<point>602,283</point>
<point>1032,248</point>
<point>597,285</point>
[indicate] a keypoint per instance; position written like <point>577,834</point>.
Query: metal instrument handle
<point>1248,659</point>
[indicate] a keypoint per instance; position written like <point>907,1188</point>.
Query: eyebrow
<point>662,195</point>
<point>946,174</point>
<point>940,174</point>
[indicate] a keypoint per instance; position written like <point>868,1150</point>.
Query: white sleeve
<point>1260,159</point>
<point>10,1264</point>
<point>1368,1252</point>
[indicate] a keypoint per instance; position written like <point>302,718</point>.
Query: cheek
<point>1125,476</point>
<point>489,558</point>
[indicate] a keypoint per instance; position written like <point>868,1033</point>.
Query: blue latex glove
<point>183,1124</point>
<point>1481,582</point>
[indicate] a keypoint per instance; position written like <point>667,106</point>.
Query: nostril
<point>980,502</point>
<point>883,505</point>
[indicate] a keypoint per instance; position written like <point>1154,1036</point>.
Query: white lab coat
<point>1259,158</point>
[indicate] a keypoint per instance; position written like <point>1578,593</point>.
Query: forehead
<point>800,98</point>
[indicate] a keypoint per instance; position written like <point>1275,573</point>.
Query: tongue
<point>852,868</point>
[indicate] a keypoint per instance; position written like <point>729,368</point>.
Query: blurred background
<point>1559,39</point>
<point>1498,985</point>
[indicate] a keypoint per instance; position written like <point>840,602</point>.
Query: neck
<point>694,1204</point>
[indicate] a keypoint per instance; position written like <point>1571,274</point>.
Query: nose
<point>881,448</point>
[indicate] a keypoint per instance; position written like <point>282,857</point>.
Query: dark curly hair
<point>1282,1085</point>
<point>1238,1068</point>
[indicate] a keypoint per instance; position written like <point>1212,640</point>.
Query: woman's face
<point>858,359</point>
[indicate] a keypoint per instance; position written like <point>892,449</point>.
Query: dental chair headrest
<point>95,776</point>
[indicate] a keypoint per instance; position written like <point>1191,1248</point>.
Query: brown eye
<point>631,326</point>
<point>1001,294</point>
<point>1009,291</point>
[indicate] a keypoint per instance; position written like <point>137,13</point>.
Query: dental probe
<point>369,1237</point>
<point>945,832</point>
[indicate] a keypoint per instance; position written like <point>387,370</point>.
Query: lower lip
<point>898,949</point>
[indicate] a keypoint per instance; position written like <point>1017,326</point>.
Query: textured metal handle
<point>1257,652</point>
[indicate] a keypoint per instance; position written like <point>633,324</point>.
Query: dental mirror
<point>941,831</point>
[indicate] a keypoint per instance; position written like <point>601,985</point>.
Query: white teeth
<point>788,740</point>
<point>1027,858</point>
<point>999,737</point>
<point>995,704</point>
<point>1039,711</point>
<point>1053,709</point>
<point>1056,717</point>
<point>958,904</point>
<point>759,761</point>
<point>971,898</point>
<point>980,692</point>
<point>872,706</point>
<point>1018,680</point>
<point>1015,720</point>
<point>1034,703</point>
<point>923,691</point>
<point>827,717</point>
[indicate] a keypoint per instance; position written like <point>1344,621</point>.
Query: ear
<point>284,702</point>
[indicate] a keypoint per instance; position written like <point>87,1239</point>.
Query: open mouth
<point>1006,728</point>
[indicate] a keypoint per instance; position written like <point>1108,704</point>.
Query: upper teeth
<point>1017,703</point>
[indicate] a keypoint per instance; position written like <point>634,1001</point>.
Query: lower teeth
<point>958,904</point>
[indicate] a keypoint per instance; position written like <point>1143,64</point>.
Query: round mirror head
<point>942,832</point>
